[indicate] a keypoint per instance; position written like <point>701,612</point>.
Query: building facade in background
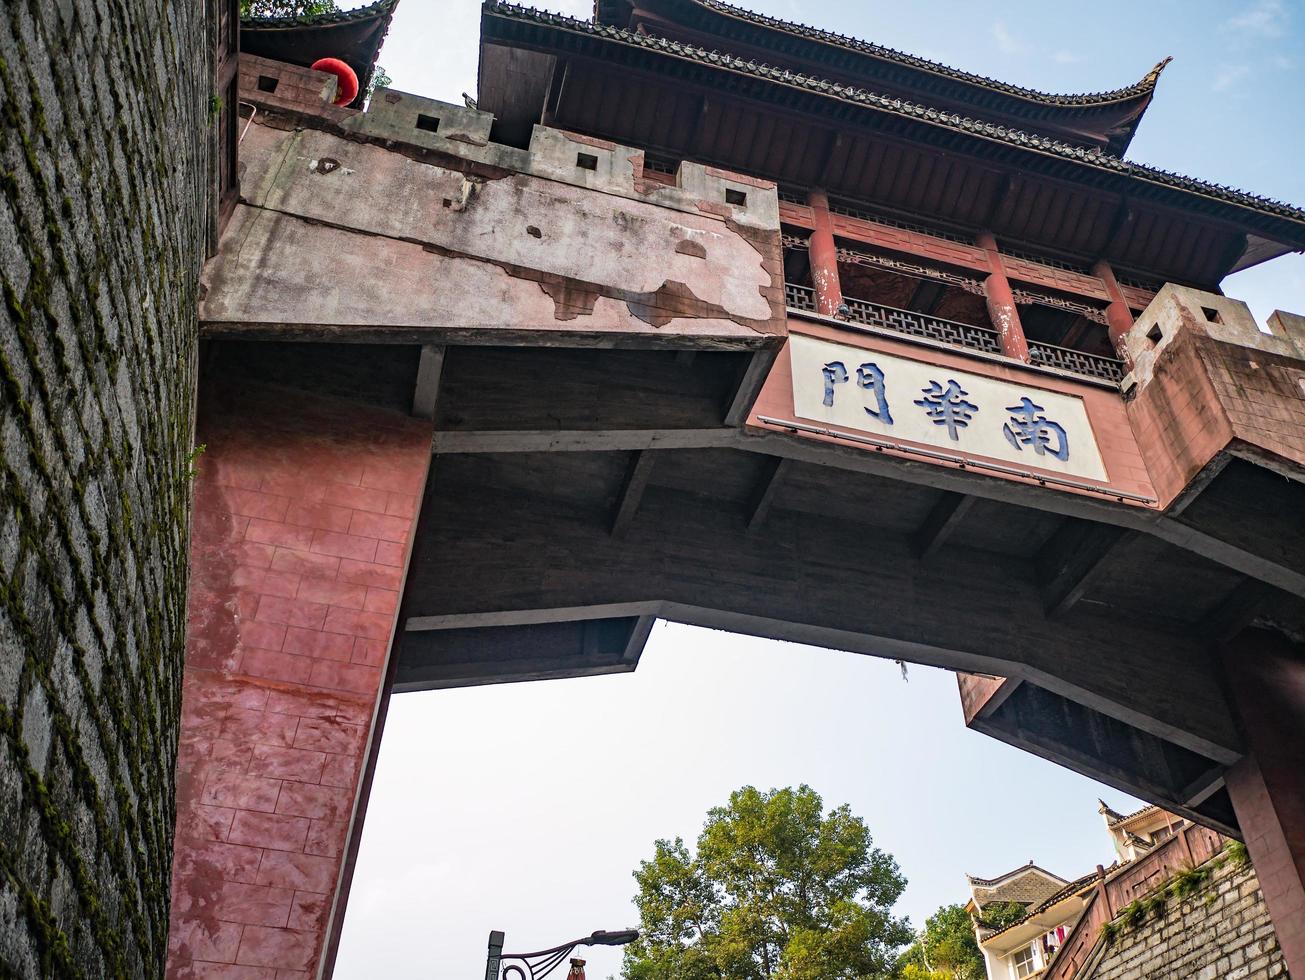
<point>1176,903</point>
<point>697,315</point>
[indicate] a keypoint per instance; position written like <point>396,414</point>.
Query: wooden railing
<point>920,325</point>
<point>800,297</point>
<point>952,332</point>
<point>1188,848</point>
<point>1077,361</point>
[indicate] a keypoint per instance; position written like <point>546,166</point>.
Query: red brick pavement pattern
<point>303,513</point>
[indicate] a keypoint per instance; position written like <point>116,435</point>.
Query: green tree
<point>777,890</point>
<point>946,950</point>
<point>286,8</point>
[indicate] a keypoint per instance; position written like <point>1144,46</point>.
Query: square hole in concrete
<point>430,124</point>
<point>737,198</point>
<point>1211,314</point>
<point>1155,335</point>
<point>586,161</point>
<point>266,83</point>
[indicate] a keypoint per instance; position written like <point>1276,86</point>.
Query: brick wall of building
<point>106,121</point>
<point>304,507</point>
<point>1222,932</point>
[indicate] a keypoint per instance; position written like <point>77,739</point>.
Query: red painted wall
<point>303,517</point>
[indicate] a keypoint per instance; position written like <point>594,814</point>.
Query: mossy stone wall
<point>105,167</point>
<point>1219,931</point>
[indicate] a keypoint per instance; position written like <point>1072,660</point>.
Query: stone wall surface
<point>1222,932</point>
<point>106,122</point>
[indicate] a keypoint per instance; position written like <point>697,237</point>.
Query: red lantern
<point>347,88</point>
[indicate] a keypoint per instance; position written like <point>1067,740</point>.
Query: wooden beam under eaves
<point>636,481</point>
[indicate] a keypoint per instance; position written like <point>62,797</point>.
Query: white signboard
<point>966,414</point>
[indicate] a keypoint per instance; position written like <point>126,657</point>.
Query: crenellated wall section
<point>406,219</point>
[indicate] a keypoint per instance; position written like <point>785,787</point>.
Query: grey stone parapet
<point>1177,308</point>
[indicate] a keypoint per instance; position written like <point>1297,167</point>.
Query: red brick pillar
<point>1119,318</point>
<point>1266,679</point>
<point>823,254</point>
<point>303,517</point>
<point>1002,311</point>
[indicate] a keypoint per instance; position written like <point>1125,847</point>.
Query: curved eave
<point>1107,118</point>
<point>354,36</point>
<point>1072,890</point>
<point>819,98</point>
<point>1015,873</point>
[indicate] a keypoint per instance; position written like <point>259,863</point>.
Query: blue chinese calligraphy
<point>835,373</point>
<point>868,376</point>
<point>947,406</point>
<point>1028,427</point>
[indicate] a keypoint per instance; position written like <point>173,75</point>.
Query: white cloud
<point>1267,18</point>
<point>1067,58</point>
<point>1006,41</point>
<point>1229,75</point>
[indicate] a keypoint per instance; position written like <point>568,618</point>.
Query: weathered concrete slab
<point>337,231</point>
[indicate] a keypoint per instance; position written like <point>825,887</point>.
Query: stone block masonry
<point>1221,932</point>
<point>304,509</point>
<point>106,126</point>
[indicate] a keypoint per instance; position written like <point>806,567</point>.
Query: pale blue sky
<point>525,807</point>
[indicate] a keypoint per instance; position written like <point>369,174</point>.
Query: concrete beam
<point>627,501</point>
<point>815,581</point>
<point>1108,750</point>
<point>750,383</point>
<point>1073,556</point>
<point>943,519</point>
<point>763,496</point>
<point>427,389</point>
<point>466,657</point>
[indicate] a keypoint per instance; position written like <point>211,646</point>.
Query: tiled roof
<point>1070,889</point>
<point>989,882</point>
<point>1114,817</point>
<point>1142,87</point>
<point>1094,158</point>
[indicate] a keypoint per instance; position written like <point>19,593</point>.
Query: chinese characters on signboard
<point>969,414</point>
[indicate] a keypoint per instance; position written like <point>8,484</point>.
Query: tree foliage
<point>946,950</point>
<point>286,8</point>
<point>777,890</point>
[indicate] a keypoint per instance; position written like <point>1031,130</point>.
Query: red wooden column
<point>1001,302</point>
<point>1119,318</point>
<point>303,515</point>
<point>823,254</point>
<point>1266,680</point>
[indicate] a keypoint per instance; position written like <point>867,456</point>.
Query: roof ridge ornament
<point>1153,75</point>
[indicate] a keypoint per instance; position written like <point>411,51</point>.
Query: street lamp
<point>534,966</point>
